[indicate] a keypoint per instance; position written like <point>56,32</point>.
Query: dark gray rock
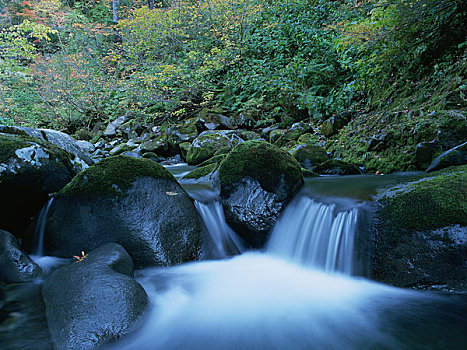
<point>30,170</point>
<point>454,156</point>
<point>208,143</point>
<point>57,138</point>
<point>425,152</point>
<point>15,265</point>
<point>93,301</point>
<point>111,129</point>
<point>309,155</point>
<point>257,180</point>
<point>332,125</point>
<point>421,233</point>
<point>134,202</point>
<point>337,167</point>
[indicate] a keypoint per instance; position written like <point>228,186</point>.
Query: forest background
<point>68,64</point>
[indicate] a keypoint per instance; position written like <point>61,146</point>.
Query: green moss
<point>429,203</point>
<point>309,173</point>
<point>261,161</point>
<point>214,160</point>
<point>113,175</point>
<point>207,145</point>
<point>201,171</point>
<point>308,155</point>
<point>9,144</point>
<point>337,167</point>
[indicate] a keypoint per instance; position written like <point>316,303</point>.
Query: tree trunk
<point>115,5</point>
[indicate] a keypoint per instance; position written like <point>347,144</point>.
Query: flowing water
<point>40,229</point>
<point>298,293</point>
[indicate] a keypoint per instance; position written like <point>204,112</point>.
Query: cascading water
<point>277,299</point>
<point>223,241</point>
<point>39,230</point>
<point>315,234</point>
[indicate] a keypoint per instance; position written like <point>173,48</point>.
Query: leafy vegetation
<point>70,64</point>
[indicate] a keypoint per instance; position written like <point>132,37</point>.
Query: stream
<point>305,290</point>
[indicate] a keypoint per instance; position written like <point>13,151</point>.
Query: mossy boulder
<point>336,167</point>
<point>30,170</point>
<point>158,144</point>
<point>425,152</point>
<point>205,173</point>
<point>93,301</point>
<point>57,138</point>
<point>186,132</point>
<point>257,180</point>
<point>134,202</point>
<point>421,232</point>
<point>309,155</point>
<point>454,156</point>
<point>281,137</point>
<point>208,143</point>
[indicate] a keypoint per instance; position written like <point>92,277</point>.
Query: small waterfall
<point>224,241</point>
<point>316,234</point>
<point>39,230</point>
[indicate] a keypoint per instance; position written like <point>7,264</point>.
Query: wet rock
<point>86,146</point>
<point>158,145</point>
<point>30,171</point>
<point>309,155</point>
<point>111,129</point>
<point>57,138</point>
<point>134,202</point>
<point>93,301</point>
<point>425,152</point>
<point>257,180</point>
<point>209,142</point>
<point>421,232</point>
<point>454,156</point>
<point>332,125</point>
<point>337,167</point>
<point>15,265</point>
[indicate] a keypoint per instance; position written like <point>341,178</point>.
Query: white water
<point>279,300</point>
<point>39,230</point>
<point>260,302</point>
<point>315,234</point>
<point>225,240</point>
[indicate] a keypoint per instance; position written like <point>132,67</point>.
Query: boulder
<point>177,135</point>
<point>159,145</point>
<point>282,137</point>
<point>337,167</point>
<point>213,120</point>
<point>309,155</point>
<point>93,301</point>
<point>30,171</point>
<point>209,142</point>
<point>15,265</point>
<point>421,232</point>
<point>134,202</point>
<point>111,129</point>
<point>332,125</point>
<point>424,153</point>
<point>57,138</point>
<point>454,156</point>
<point>257,180</point>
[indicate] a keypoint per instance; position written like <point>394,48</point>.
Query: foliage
<point>65,64</point>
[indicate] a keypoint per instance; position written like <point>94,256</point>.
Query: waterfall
<point>39,230</point>
<point>316,234</point>
<point>223,241</point>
